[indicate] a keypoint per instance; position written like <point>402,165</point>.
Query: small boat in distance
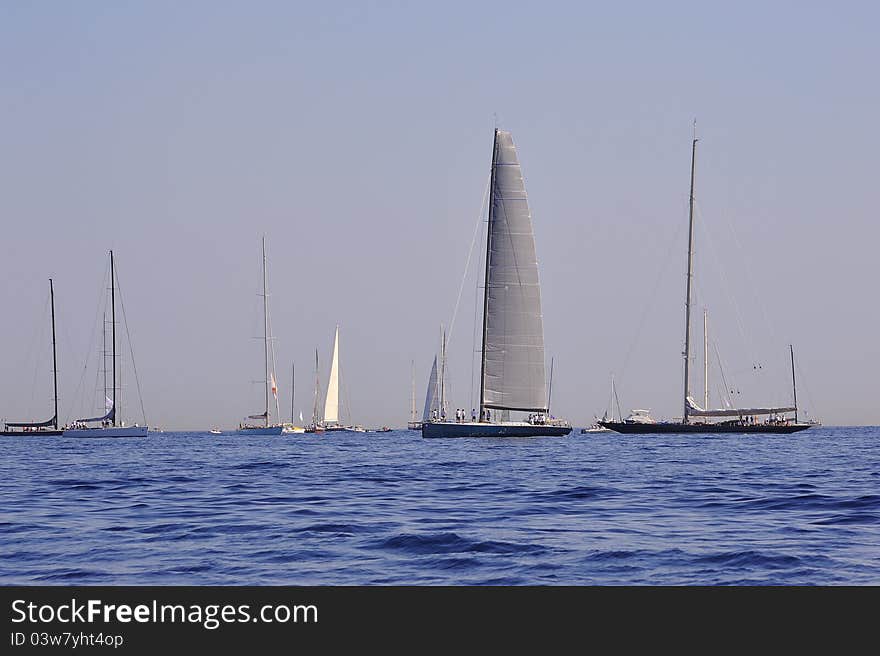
<point>694,418</point>
<point>111,423</point>
<point>265,427</point>
<point>316,426</point>
<point>292,428</point>
<point>330,420</point>
<point>597,427</point>
<point>413,423</point>
<point>435,393</point>
<point>215,431</point>
<point>512,376</point>
<point>50,426</point>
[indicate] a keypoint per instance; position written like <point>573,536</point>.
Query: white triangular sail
<point>431,396</point>
<point>331,403</point>
<point>513,346</point>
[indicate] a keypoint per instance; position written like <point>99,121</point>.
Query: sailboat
<point>512,351</point>
<point>50,426</point>
<point>413,423</point>
<point>435,396</point>
<point>432,396</point>
<point>330,421</point>
<point>265,427</point>
<point>596,427</point>
<point>331,399</point>
<point>292,427</point>
<point>111,423</point>
<point>316,426</point>
<point>695,418</point>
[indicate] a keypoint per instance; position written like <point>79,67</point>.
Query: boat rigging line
<point>131,350</point>
<point>477,317</point>
<point>648,307</point>
<point>100,309</point>
<point>470,255</point>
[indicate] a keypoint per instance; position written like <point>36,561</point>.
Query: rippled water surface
<point>392,508</point>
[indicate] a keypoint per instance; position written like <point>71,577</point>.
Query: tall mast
<point>437,384</point>
<point>550,387</point>
<point>793,383</point>
<point>292,380</point>
<point>705,359</point>
<point>612,397</point>
<point>104,358</point>
<point>690,276</point>
<point>266,330</point>
<point>413,394</point>
<point>116,412</point>
<point>605,415</point>
<point>442,380</point>
<point>54,362</point>
<point>486,280</point>
<point>317,385</point>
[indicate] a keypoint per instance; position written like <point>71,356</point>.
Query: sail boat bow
<point>512,354</point>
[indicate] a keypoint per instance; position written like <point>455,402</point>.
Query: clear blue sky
<point>357,137</point>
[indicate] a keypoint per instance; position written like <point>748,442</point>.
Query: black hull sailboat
<point>50,426</point>
<point>512,354</point>
<point>780,420</point>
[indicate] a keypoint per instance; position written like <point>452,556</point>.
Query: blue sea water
<point>392,508</point>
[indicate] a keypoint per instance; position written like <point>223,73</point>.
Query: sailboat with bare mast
<point>266,426</point>
<point>413,423</point>
<point>695,418</point>
<point>316,426</point>
<point>50,426</point>
<point>111,423</point>
<point>512,377</point>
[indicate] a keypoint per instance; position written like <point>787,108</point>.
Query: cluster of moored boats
<point>513,399</point>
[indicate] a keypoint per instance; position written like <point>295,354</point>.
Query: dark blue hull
<point>33,433</point>
<point>260,430</point>
<point>477,429</point>
<point>672,428</point>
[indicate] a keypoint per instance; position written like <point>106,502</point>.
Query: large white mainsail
<point>431,396</point>
<point>331,403</point>
<point>513,337</point>
<point>512,361</point>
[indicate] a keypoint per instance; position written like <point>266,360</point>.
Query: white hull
<point>111,431</point>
